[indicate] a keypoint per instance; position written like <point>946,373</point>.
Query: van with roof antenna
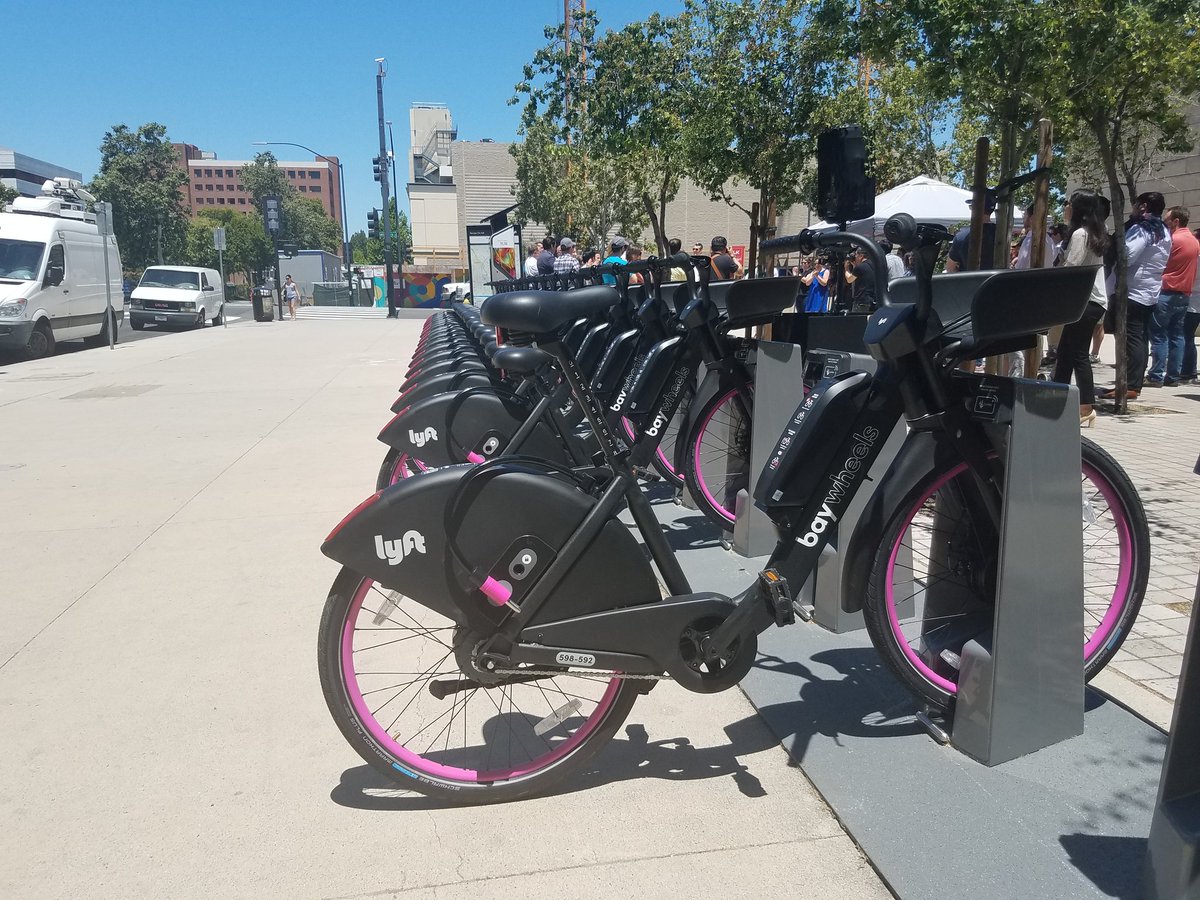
<point>52,282</point>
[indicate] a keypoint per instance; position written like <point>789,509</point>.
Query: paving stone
<point>1144,648</point>
<point>1167,687</point>
<point>1158,612</point>
<point>1176,642</point>
<point>1151,629</point>
<point>1139,670</point>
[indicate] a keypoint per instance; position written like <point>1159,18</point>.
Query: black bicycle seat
<point>542,312</point>
<point>521,360</point>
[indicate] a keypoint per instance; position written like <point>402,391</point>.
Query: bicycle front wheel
<point>717,459</point>
<point>933,582</point>
<point>393,677</point>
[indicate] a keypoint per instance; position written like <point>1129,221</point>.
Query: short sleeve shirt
<point>864,283</point>
<point>725,265</point>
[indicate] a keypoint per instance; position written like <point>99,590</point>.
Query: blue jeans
<point>1166,336</point>
<point>1190,323</point>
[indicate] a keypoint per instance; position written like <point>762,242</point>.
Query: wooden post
<point>1037,228</point>
<point>979,213</point>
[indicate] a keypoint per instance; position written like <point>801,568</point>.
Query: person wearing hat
<point>566,263</point>
<point>616,256</point>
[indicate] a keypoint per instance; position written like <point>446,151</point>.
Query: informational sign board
<point>479,260</point>
<point>219,239</point>
<point>506,250</point>
<point>738,252</point>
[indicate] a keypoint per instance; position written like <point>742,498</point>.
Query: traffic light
<point>373,223</point>
<point>380,166</point>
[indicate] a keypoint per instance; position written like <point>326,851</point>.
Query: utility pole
<point>396,193</point>
<point>383,191</point>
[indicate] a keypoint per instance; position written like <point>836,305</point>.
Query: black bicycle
<point>494,624</point>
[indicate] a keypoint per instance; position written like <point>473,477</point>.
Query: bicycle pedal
<point>778,595</point>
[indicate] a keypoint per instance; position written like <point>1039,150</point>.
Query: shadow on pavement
<point>1113,864</point>
<point>630,756</point>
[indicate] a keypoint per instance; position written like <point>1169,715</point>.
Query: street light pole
<point>347,255</point>
<point>396,192</point>
<point>383,190</point>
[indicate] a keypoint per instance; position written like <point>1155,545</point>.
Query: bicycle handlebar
<point>809,240</point>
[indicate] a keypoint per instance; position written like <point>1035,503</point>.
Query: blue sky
<point>222,75</point>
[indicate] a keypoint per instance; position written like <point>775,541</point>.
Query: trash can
<point>261,301</point>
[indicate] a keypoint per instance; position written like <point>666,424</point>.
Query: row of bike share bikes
<point>495,618</point>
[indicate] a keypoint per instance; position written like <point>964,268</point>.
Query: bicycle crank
<point>705,669</point>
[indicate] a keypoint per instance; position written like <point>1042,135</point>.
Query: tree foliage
<point>568,178</point>
<point>247,248</point>
<point>141,177</point>
<point>305,221</point>
<point>7,195</point>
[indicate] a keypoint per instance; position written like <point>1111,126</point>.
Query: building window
<point>221,201</point>
<point>220,187</point>
<point>229,173</point>
<point>208,187</point>
<point>301,174</point>
<point>291,173</point>
<point>315,175</point>
<point>241,201</point>
<point>316,189</point>
<point>208,173</point>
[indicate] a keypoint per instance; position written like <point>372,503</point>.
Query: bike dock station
<point>1046,788</point>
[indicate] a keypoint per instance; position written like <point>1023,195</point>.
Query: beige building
<point>1177,178</point>
<point>453,184</point>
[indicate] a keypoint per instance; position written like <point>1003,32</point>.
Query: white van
<point>52,272</point>
<point>179,295</point>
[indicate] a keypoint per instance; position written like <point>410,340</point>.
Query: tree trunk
<point>655,224</point>
<point>663,240</point>
<point>1004,209</point>
<point>1121,293</point>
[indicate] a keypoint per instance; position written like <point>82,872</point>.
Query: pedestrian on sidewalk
<point>566,263</point>
<point>1086,244</point>
<point>531,262</point>
<point>1191,322</point>
<point>291,293</point>
<point>1147,247</point>
<point>1167,323</point>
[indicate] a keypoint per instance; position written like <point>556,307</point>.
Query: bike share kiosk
<point>1020,684</point>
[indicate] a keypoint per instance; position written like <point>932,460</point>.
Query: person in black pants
<point>1086,243</point>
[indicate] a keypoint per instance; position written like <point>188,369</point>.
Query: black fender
<point>440,384</point>
<point>398,538</point>
<point>915,459</point>
<point>444,429</point>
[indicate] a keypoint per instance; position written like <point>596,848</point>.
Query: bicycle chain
<point>600,676</point>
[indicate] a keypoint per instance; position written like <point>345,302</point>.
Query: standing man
<point>724,264</point>
<point>545,259</point>
<point>616,257</point>
<point>1166,324</point>
<point>894,263</point>
<point>291,293</point>
<point>566,263</point>
<point>956,261</point>
<point>1148,246</point>
<point>860,275</point>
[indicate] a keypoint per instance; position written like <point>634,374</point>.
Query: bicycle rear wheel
<point>392,677</point>
<point>717,458</point>
<point>664,455</point>
<point>933,580</point>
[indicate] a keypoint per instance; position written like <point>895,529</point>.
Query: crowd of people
<point>562,257</point>
<point>1162,313</point>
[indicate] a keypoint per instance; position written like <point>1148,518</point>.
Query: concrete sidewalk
<point>164,733</point>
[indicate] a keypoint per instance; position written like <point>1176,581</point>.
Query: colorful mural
<point>421,290</point>
<point>505,261</point>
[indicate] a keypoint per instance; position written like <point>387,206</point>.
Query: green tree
<point>635,101</point>
<point>140,175</point>
<point>567,180</point>
<point>247,248</point>
<point>402,233</point>
<point>7,195</point>
<point>763,70</point>
<point>1126,57</point>
<point>1000,58</point>
<point>305,221</point>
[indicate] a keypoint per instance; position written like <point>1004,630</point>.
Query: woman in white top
<point>1085,247</point>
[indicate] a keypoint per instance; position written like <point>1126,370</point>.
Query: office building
<point>432,191</point>
<point>214,183</point>
<point>26,174</point>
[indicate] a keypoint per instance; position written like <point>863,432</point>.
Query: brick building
<point>214,183</point>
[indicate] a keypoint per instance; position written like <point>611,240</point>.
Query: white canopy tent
<point>925,199</point>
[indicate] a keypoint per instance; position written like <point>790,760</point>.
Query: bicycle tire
<point>664,453</point>
<point>468,774</point>
<point>1109,615</point>
<point>719,432</point>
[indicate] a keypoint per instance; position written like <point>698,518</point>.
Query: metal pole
<point>112,320</point>
<point>396,193</point>
<point>160,259</point>
<point>383,191</point>
<point>221,266</point>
